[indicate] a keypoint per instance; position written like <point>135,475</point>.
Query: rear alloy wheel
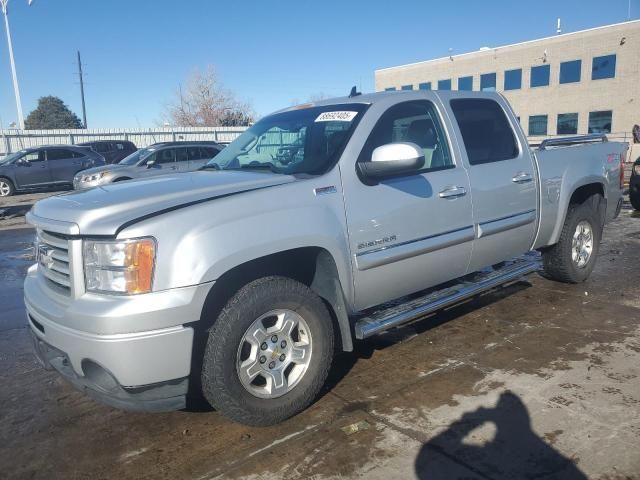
<point>573,258</point>
<point>6,188</point>
<point>268,353</point>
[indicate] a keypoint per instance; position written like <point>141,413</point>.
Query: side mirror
<point>393,159</point>
<point>150,163</point>
<point>21,162</point>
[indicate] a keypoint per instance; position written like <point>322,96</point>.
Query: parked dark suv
<point>634,185</point>
<point>112,150</point>
<point>45,167</point>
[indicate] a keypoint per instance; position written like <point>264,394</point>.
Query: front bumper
<point>129,352</point>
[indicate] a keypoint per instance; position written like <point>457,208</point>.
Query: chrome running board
<point>393,314</point>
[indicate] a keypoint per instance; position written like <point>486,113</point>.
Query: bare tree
<point>204,102</point>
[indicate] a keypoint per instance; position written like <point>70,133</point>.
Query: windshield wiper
<point>260,166</point>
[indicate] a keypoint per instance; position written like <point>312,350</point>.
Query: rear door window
<point>59,154</point>
<point>182,155</point>
<point>486,132</point>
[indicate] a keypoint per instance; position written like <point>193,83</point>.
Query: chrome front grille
<point>54,260</point>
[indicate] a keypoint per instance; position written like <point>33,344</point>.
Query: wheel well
<point>312,266</point>
<point>121,179</point>
<point>592,192</point>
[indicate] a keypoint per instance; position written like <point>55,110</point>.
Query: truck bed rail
<point>576,140</point>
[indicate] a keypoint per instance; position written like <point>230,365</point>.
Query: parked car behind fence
<point>112,150</point>
<point>45,167</point>
<point>158,159</point>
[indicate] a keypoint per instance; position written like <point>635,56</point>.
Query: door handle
<point>522,177</point>
<point>453,192</point>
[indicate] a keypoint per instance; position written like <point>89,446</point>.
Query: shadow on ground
<point>515,451</point>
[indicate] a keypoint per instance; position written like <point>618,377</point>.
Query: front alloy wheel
<point>274,354</point>
<point>269,352</point>
<point>6,189</point>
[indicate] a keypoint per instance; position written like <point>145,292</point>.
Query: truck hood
<point>105,210</point>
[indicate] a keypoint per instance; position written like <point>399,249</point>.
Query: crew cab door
<point>502,176</point>
<point>164,161</point>
<point>414,231</point>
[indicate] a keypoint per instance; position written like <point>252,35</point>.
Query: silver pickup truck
<point>321,224</point>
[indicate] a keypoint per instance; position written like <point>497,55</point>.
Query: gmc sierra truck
<point>320,225</point>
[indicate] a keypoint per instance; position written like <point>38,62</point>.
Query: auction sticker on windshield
<point>341,116</point>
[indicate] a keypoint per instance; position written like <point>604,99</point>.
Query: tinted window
<point>465,83</point>
<point>570,71</point>
<point>540,75</point>
<point>444,84</point>
<point>567,124</point>
<point>389,89</point>
<point>425,86</point>
<point>416,122</point>
<point>76,154</point>
<point>488,82</point>
<point>603,67</point>
<point>513,79</point>
<point>120,146</point>
<point>485,130</point>
<point>209,152</point>
<point>33,157</point>
<point>59,154</point>
<point>538,125</point>
<point>182,155</point>
<point>407,87</point>
<point>162,156</point>
<point>102,147</point>
<point>600,122</point>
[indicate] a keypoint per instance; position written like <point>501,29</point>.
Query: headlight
<point>94,176</point>
<point>636,169</point>
<point>122,267</point>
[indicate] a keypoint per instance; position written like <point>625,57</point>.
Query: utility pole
<point>16,89</point>
<point>81,75</point>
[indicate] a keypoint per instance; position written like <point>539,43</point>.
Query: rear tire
<point>635,200</point>
<point>268,353</point>
<point>573,258</point>
<point>6,187</point>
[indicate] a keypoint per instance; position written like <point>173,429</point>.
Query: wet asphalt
<point>533,380</point>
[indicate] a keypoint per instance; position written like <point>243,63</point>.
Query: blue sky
<point>136,53</point>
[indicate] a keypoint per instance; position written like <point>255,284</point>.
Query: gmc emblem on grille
<point>45,256</point>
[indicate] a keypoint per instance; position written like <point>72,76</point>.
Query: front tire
<point>268,353</point>
<point>6,187</point>
<point>573,258</point>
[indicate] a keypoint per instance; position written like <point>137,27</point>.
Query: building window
<point>425,86</point>
<point>540,76</point>
<point>407,87</point>
<point>567,124</point>
<point>603,67</point>
<point>513,79</point>
<point>389,89</point>
<point>488,82</point>
<point>538,125</point>
<point>570,71</point>
<point>600,122</point>
<point>444,84</point>
<point>465,83</point>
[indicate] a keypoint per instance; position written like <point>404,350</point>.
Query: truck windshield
<point>301,141</point>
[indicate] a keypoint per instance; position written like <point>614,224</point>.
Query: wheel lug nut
<point>263,346</point>
<point>272,365</point>
<point>283,344</point>
<point>274,338</point>
<point>263,359</point>
<point>282,357</point>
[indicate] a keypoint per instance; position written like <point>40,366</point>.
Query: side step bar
<point>397,314</point>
